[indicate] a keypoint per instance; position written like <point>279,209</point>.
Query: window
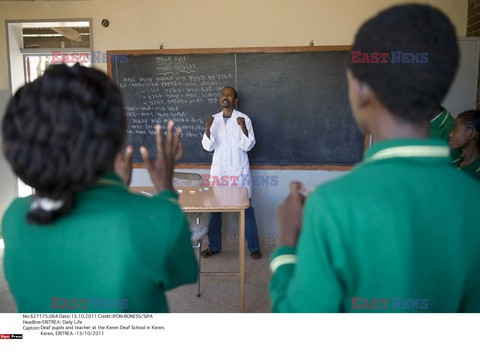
<point>46,43</point>
<point>33,46</point>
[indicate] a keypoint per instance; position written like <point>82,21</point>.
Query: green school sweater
<point>115,252</point>
<point>441,127</point>
<point>381,238</point>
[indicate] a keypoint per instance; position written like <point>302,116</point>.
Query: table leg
<point>241,242</point>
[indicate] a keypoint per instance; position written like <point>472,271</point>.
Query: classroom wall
<point>473,29</point>
<point>8,182</point>
<point>269,189</point>
<point>145,24</point>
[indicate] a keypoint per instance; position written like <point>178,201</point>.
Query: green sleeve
<point>182,267</point>
<point>282,264</point>
<point>311,285</point>
<point>181,264</point>
<point>471,301</point>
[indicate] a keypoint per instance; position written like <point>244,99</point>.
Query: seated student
<point>440,127</point>
<point>83,242</point>
<point>465,136</point>
<point>380,238</point>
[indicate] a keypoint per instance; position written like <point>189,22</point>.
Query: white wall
<point>265,199</point>
<point>463,92</point>
<point>179,24</point>
<point>8,187</point>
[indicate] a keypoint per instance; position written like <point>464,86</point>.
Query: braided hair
<point>60,133</point>
<point>471,120</point>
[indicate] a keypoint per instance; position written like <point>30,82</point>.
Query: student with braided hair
<point>466,137</point>
<point>83,242</point>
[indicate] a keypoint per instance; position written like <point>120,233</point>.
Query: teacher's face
<point>227,98</point>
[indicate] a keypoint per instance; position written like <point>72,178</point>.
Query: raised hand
<point>169,151</point>
<point>208,125</point>
<point>290,215</point>
<point>123,165</point>
<point>241,122</point>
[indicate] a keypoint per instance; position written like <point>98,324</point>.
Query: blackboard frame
<point>113,53</point>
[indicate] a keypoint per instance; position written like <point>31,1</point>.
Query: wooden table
<point>217,199</point>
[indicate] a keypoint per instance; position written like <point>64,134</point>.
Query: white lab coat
<point>230,158</point>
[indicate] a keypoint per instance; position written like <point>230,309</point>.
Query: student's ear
<point>360,96</point>
<point>472,134</point>
<point>359,92</point>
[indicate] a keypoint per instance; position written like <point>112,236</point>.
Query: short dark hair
<point>411,91</point>
<point>234,90</point>
<point>61,132</point>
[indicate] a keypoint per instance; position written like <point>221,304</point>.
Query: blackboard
<point>297,99</point>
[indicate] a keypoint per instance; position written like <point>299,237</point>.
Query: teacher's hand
<point>161,169</point>
<point>208,125</point>
<point>123,165</point>
<point>241,122</point>
<point>290,215</point>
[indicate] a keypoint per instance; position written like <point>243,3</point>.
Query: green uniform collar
<point>472,168</point>
<point>110,178</point>
<point>408,148</point>
<point>441,119</point>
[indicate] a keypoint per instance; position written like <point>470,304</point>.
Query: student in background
<point>230,135</point>
<point>465,136</point>
<point>83,242</point>
<point>380,238</point>
<point>440,127</point>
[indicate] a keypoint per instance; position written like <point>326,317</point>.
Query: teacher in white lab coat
<point>230,135</point>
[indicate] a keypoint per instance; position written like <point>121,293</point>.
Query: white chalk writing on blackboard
<point>175,82</point>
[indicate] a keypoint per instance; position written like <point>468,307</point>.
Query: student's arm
<point>247,142</point>
<point>304,278</point>
<point>209,136</point>
<point>471,301</point>
<point>180,264</point>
